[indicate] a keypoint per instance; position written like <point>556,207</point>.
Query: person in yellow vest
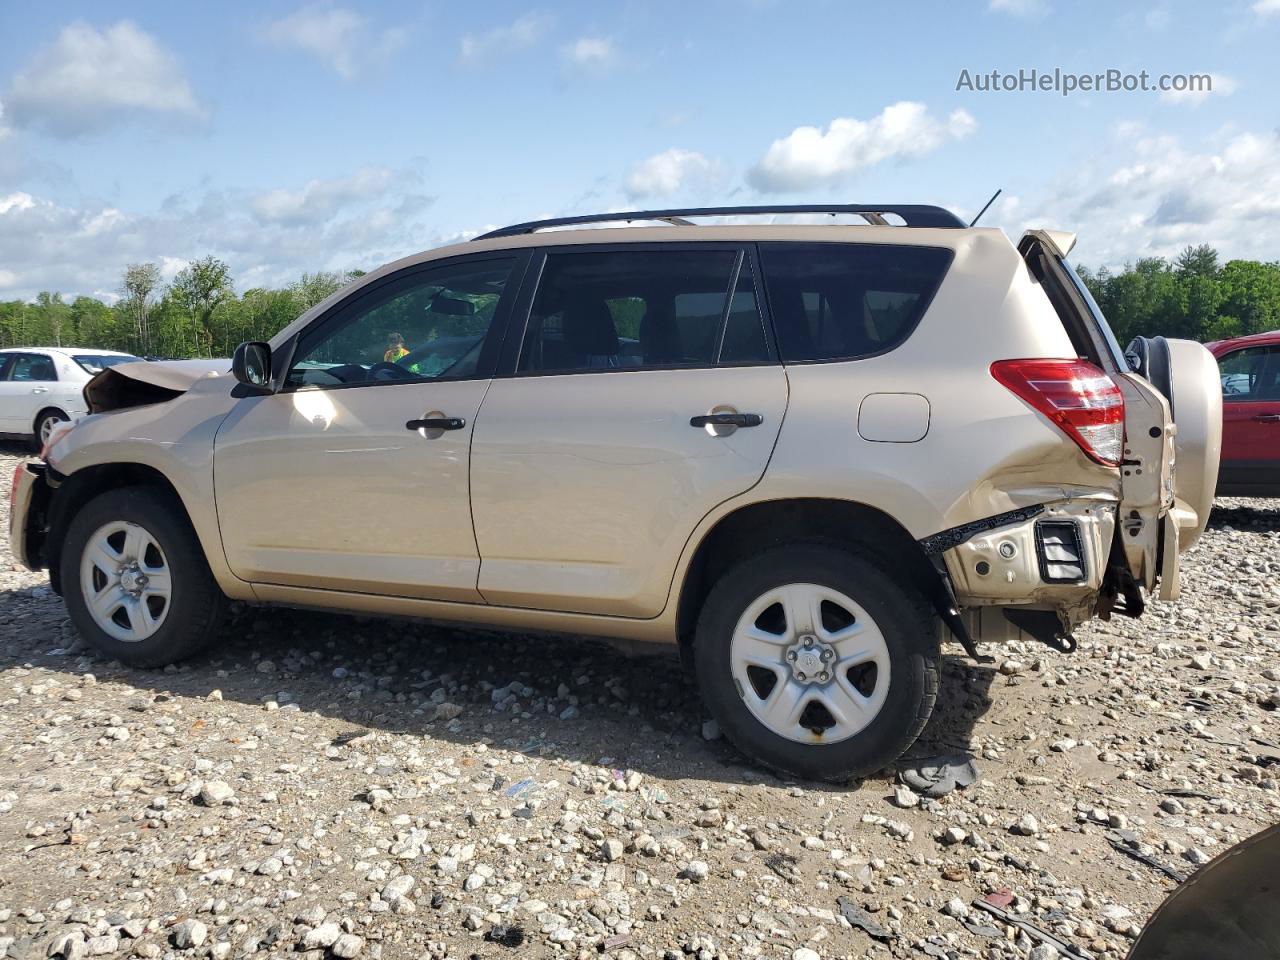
<point>395,348</point>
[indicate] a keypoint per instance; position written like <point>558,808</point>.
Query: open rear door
<point>1146,527</point>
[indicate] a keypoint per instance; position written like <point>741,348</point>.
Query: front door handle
<point>436,423</point>
<point>727,420</point>
<point>1268,418</point>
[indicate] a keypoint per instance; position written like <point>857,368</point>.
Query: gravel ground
<point>342,786</point>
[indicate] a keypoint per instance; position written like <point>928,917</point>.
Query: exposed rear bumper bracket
<point>949,611</point>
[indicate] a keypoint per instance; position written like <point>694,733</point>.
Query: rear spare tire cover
<point>1198,415</point>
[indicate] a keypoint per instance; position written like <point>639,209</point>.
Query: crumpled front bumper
<point>28,510</point>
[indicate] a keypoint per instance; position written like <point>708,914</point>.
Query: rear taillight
<point>1082,400</point>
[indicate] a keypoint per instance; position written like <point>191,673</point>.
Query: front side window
<point>643,309</point>
<point>841,301</point>
<point>1252,374</point>
<point>31,368</point>
<point>430,325</point>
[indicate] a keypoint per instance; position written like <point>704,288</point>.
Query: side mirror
<point>251,365</point>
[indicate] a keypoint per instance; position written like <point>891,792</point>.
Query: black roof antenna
<point>984,209</point>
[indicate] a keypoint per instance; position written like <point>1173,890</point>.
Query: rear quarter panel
<point>985,451</point>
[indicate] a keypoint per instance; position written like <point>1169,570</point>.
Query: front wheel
<point>135,579</point>
<point>817,663</point>
<point>44,427</point>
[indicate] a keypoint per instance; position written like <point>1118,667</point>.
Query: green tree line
<point>199,314</point>
<point>1192,296</point>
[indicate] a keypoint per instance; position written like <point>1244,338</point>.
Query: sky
<point>287,137</point>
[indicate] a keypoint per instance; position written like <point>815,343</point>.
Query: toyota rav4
<point>805,456</point>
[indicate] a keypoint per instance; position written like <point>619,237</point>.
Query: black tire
<point>197,605</point>
<point>903,616</point>
<point>37,436</point>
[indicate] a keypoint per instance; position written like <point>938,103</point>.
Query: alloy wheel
<point>126,582</point>
<point>810,663</point>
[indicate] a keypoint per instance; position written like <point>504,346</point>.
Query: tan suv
<point>805,455</point>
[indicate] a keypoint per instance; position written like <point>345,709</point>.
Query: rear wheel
<point>816,663</point>
<point>135,579</point>
<point>44,425</point>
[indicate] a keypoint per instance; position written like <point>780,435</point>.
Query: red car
<point>1250,369</point>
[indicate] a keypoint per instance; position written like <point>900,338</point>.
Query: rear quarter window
<point>843,301</point>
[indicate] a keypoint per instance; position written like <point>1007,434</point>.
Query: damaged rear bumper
<point>1047,565</point>
<point>1057,555</point>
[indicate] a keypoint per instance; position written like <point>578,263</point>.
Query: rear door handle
<point>727,420</point>
<point>436,423</point>
<point>39,389</point>
<point>1268,418</point>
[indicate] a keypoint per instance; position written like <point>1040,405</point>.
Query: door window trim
<point>523,312</point>
<point>333,318</point>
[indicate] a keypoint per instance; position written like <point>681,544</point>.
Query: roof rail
<point>915,215</point>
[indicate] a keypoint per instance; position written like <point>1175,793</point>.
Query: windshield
<point>97,362</point>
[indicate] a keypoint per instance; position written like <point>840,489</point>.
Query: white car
<point>40,386</point>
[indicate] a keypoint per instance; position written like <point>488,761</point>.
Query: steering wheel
<point>382,370</point>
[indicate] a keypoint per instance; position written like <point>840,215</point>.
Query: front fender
<point>174,439</point>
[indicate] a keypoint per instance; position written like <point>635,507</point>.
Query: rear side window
<point>29,367</point>
<point>841,301</point>
<point>643,309</point>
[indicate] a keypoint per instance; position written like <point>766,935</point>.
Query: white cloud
<point>90,79</point>
<point>1148,194</point>
<point>1019,8</point>
<point>269,239</point>
<point>667,172</point>
<point>1219,86</point>
<point>339,38</point>
<point>1267,8</point>
<point>318,199</point>
<point>477,49</point>
<point>809,157</point>
<point>592,53</point>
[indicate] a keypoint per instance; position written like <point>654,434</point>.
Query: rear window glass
<point>1113,345</point>
<point>96,363</point>
<point>841,301</point>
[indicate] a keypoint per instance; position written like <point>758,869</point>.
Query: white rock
<point>904,797</point>
<point>347,946</point>
<point>397,888</point>
<point>697,871</point>
<point>1027,826</point>
<point>215,792</point>
<point>190,933</point>
<point>325,935</point>
<point>611,850</point>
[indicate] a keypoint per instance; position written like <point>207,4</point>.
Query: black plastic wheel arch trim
<point>954,536</point>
